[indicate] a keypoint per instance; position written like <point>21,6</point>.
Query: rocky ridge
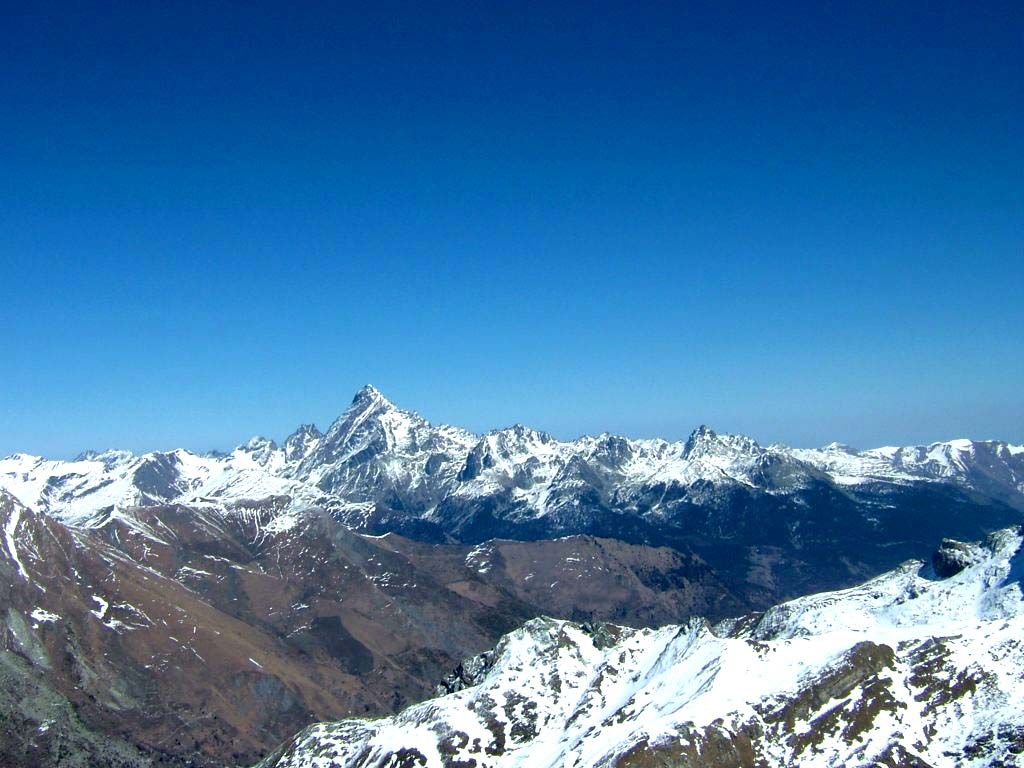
<point>772,521</point>
<point>908,669</point>
<point>180,636</point>
<point>378,455</point>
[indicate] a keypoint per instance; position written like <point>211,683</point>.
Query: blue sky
<point>803,223</point>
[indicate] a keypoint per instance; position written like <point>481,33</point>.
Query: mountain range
<point>378,454</point>
<point>796,520</point>
<point>197,609</point>
<point>914,668</point>
<point>170,635</point>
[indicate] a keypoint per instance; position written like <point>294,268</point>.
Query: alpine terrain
<point>780,521</point>
<point>919,667</point>
<point>198,609</point>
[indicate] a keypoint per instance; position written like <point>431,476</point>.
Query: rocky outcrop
<point>953,556</point>
<point>470,672</point>
<point>904,670</point>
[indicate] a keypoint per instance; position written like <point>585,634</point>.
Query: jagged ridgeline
<point>184,609</point>
<point>776,521</point>
<point>909,669</point>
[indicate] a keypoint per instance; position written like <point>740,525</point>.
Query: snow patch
<point>42,616</point>
<point>10,529</point>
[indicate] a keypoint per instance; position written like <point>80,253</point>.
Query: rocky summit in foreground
<point>912,668</point>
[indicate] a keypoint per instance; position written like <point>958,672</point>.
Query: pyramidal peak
<point>371,421</point>
<point>366,405</point>
<point>369,395</point>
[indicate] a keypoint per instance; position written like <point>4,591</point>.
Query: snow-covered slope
<point>376,452</point>
<point>962,460</point>
<point>907,669</point>
<point>76,491</point>
<point>379,454</point>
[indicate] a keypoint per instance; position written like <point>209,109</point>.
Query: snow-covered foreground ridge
<point>907,669</point>
<point>376,453</point>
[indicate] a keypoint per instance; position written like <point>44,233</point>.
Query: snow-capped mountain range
<point>912,668</point>
<point>265,572</point>
<point>377,454</point>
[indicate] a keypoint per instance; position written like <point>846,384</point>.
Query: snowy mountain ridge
<point>377,453</point>
<point>907,669</point>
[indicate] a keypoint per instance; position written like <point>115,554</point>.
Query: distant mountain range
<point>184,609</point>
<point>827,515</point>
<point>378,455</point>
<point>911,669</point>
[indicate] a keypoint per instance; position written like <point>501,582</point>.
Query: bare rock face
<point>470,672</point>
<point>953,556</point>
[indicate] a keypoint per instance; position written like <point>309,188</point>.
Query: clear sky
<point>803,222</point>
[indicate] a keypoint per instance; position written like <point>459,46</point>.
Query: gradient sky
<point>802,222</point>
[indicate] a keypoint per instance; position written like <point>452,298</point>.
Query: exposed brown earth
<point>182,636</point>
